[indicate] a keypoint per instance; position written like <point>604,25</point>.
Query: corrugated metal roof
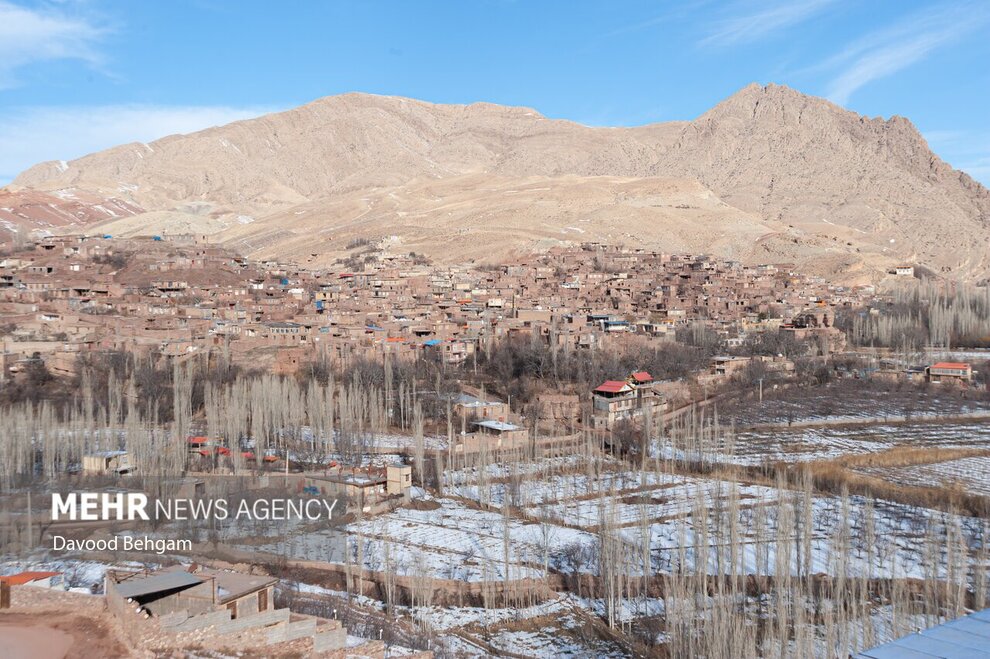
<point>162,581</point>
<point>496,425</point>
<point>956,366</point>
<point>613,386</point>
<point>965,638</point>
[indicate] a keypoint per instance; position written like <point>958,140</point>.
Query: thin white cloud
<point>32,135</point>
<point>44,34</point>
<point>753,22</point>
<point>675,13</point>
<point>885,52</point>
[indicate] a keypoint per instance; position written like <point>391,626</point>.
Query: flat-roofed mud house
<point>473,407</point>
<point>107,462</point>
<point>366,489</point>
<point>491,435</point>
<point>177,589</point>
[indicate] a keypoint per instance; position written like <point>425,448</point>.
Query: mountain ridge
<point>807,168</point>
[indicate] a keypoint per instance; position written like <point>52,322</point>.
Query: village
<point>178,295</point>
<point>515,458</point>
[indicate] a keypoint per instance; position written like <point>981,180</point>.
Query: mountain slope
<point>823,180</point>
<point>808,163</point>
<point>481,215</point>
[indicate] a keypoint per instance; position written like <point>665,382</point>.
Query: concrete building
<point>958,372</point>
<point>399,480</point>
<point>614,401</point>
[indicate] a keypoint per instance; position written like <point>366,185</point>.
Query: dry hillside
<point>767,175</point>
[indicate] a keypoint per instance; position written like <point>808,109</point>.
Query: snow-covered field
<point>563,516</point>
<point>539,469</point>
<point>549,642</point>
<point>834,405</point>
<point>828,443</point>
<point>972,474</point>
<point>453,541</point>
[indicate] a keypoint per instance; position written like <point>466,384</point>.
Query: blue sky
<point>81,75</point>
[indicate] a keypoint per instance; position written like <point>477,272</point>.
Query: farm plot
<point>665,506</point>
<point>886,539</point>
<point>665,496</point>
<point>498,470</point>
<point>849,404</point>
<point>972,474</point>
<point>828,443</point>
<point>452,541</point>
<point>564,487</point>
<point>559,636</point>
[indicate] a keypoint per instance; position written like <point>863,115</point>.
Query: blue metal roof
<point>964,638</point>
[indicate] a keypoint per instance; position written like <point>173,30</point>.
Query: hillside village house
<point>365,489</point>
<point>472,407</point>
<point>625,400</point>
<point>491,435</point>
<point>959,372</point>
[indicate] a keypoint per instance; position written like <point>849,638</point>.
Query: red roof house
<point>613,387</point>
<point>954,371</point>
<point>952,366</point>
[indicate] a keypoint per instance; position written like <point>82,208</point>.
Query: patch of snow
<point>227,144</point>
<point>104,209</point>
<point>65,193</point>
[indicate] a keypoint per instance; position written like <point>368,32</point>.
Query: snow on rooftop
<point>500,426</point>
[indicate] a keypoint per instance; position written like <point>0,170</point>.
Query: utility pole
<point>30,529</point>
<point>761,389</point>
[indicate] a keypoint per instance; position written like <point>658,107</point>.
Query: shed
<point>111,462</point>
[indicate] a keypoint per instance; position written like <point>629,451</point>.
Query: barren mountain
<point>768,174</point>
